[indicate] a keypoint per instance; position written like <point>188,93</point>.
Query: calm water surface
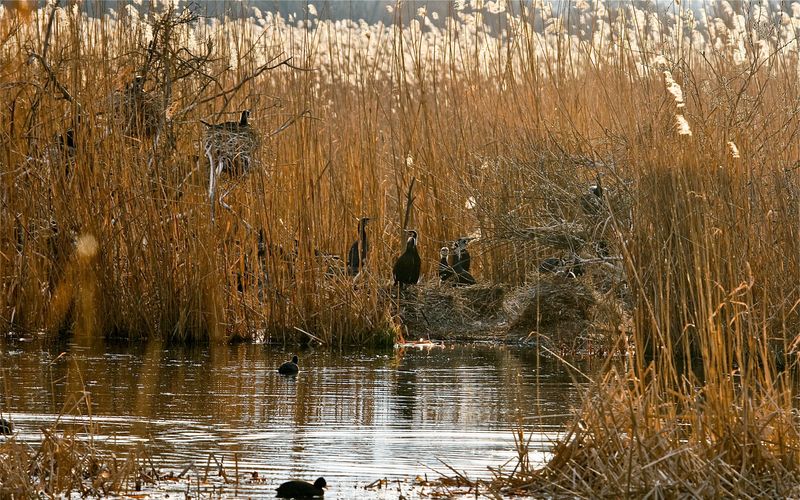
<point>350,417</point>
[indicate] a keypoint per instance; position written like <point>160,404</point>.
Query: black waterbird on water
<point>6,427</point>
<point>302,489</point>
<point>230,126</point>
<point>357,256</point>
<point>407,266</point>
<point>289,367</point>
<point>446,272</point>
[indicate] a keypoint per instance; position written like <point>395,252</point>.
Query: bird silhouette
<point>407,267</point>
<point>289,367</point>
<point>461,259</point>
<point>302,489</point>
<point>231,126</point>
<point>357,256</point>
<point>551,265</point>
<point>462,262</point>
<point>592,201</point>
<point>446,271</point>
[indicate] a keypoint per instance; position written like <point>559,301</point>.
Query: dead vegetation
<point>689,123</point>
<point>64,463</point>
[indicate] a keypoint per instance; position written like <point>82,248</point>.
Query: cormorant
<point>574,266</point>
<point>601,247</point>
<point>464,277</point>
<point>289,367</point>
<point>66,142</point>
<point>406,267</point>
<point>446,272</point>
<point>551,265</point>
<point>461,262</point>
<point>302,489</point>
<point>230,126</point>
<point>592,201</point>
<point>6,427</point>
<point>461,259</point>
<point>357,257</point>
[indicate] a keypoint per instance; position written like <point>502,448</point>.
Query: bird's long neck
<point>363,235</point>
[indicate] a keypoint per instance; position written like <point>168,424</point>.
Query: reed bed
<point>65,464</point>
<point>502,114</point>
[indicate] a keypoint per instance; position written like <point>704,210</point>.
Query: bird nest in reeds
<point>564,236</point>
<point>234,148</point>
<point>140,113</point>
<point>552,306</point>
<point>452,312</point>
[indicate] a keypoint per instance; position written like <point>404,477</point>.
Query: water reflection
<point>351,417</point>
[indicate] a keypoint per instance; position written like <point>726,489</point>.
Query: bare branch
<point>52,76</point>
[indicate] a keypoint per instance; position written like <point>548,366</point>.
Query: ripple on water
<point>352,418</point>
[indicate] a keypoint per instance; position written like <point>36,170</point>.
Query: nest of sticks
<point>234,148</point>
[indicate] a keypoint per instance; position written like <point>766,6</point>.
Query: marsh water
<point>352,417</point>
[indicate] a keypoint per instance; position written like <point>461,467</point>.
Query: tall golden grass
<point>503,113</point>
<point>516,108</point>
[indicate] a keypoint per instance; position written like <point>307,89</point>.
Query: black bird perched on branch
<point>302,489</point>
<point>407,266</point>
<point>446,272</point>
<point>5,427</point>
<point>289,367</point>
<point>66,142</point>
<point>357,256</point>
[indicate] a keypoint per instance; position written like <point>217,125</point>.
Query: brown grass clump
<point>445,312</point>
<point>64,464</point>
<point>485,301</point>
<point>555,309</point>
